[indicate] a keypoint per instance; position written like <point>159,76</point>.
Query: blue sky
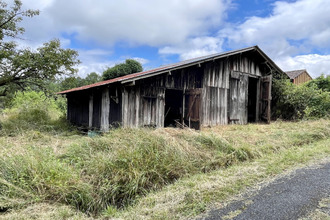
<point>295,34</point>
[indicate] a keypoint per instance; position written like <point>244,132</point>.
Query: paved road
<point>289,197</point>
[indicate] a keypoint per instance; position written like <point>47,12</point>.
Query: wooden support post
<point>183,105</point>
<point>257,100</point>
<point>105,110</point>
<point>90,112</point>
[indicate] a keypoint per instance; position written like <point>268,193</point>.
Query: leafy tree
<point>293,102</point>
<point>70,82</point>
<point>322,82</point>
<point>92,78</point>
<point>130,66</point>
<point>76,81</point>
<point>22,68</point>
<point>32,110</point>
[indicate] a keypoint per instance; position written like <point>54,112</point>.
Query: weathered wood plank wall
<point>97,101</point>
<point>78,109</point>
<point>143,106</point>
<point>144,103</point>
<point>224,94</point>
<point>238,100</point>
<point>302,78</point>
<point>90,111</point>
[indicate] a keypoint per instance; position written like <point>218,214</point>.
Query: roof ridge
<point>169,67</point>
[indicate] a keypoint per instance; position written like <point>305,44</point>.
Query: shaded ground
<point>291,197</point>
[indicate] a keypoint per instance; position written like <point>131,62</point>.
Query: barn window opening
<point>173,107</point>
<point>252,99</point>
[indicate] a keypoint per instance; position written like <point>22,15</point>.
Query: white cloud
<point>182,27</point>
<point>94,61</point>
<point>103,23</point>
<point>314,63</point>
<point>289,35</point>
<point>292,28</point>
<point>141,60</point>
<point>97,61</point>
<point>147,22</point>
<point>194,47</point>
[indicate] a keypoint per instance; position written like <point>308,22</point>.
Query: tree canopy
<point>130,66</point>
<point>76,81</point>
<point>22,68</point>
<point>322,82</point>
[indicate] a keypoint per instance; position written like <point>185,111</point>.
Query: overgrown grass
<point>34,111</point>
<point>192,196</point>
<point>105,175</point>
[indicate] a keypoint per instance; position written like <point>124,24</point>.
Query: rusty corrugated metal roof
<point>167,68</point>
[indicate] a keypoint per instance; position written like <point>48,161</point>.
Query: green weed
<point>107,174</point>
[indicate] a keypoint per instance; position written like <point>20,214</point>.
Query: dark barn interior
<point>252,99</point>
<point>173,107</point>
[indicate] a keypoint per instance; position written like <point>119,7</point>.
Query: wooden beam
<point>105,110</point>
<point>90,112</point>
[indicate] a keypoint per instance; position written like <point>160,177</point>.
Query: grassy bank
<point>162,173</point>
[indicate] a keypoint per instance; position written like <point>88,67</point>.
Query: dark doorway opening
<point>115,108</point>
<point>173,107</point>
<point>252,99</point>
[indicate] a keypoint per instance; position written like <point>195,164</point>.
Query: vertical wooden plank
<point>124,107</point>
<point>258,100</point>
<point>132,105</point>
<point>265,97</point>
<point>105,110</point>
<point>225,107</point>
<point>241,99</point>
<point>183,105</point>
<point>258,70</point>
<point>68,106</point>
<point>233,100</point>
<point>246,89</point>
<point>218,106</point>
<point>204,109</point>
<point>137,106</point>
<point>227,73</point>
<point>162,108</point>
<point>90,111</point>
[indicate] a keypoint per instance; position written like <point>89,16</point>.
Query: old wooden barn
<point>219,89</point>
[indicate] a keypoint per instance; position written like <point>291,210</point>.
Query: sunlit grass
<point>143,173</point>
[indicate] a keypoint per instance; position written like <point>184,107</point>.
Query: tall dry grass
<point>113,171</point>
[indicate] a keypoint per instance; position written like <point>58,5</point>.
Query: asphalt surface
<point>289,197</point>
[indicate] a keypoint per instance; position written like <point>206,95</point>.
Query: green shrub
<point>322,82</point>
<point>32,110</point>
<point>319,105</point>
<point>292,102</point>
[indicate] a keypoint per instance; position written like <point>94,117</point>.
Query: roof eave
<point>270,61</point>
<point>191,64</point>
<point>174,67</point>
